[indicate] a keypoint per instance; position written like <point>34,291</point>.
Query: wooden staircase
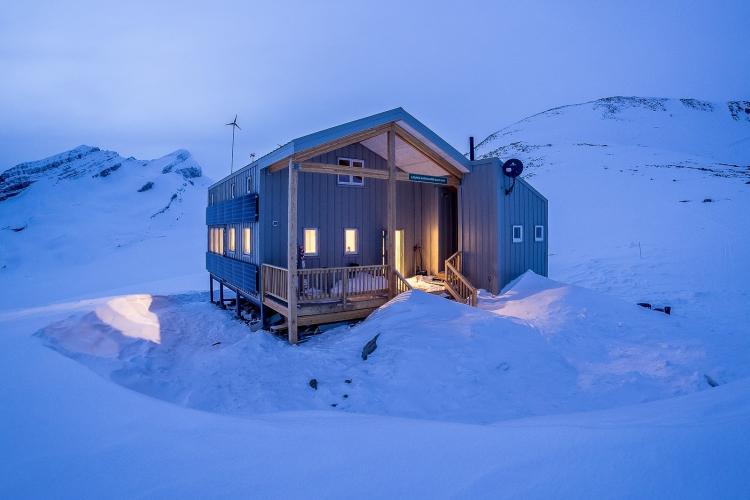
<point>456,283</point>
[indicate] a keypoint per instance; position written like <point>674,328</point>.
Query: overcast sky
<point>146,79</point>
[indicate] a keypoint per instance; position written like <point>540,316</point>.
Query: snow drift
<point>540,348</point>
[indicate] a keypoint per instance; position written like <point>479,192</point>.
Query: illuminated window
<point>351,240</point>
<point>351,180</point>
<point>232,245</point>
<point>538,233</point>
<point>247,241</point>
<point>517,234</point>
<point>216,240</point>
<point>311,241</point>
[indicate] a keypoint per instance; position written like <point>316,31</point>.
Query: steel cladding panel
<point>243,275</point>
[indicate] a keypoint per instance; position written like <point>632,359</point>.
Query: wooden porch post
<point>391,213</point>
<point>291,257</point>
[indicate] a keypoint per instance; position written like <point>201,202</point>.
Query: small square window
<point>538,233</point>
<point>351,180</point>
<point>517,234</point>
<point>311,241</point>
<point>247,241</point>
<point>351,241</point>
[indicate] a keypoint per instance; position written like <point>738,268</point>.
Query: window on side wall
<point>351,180</point>
<point>232,190</point>
<point>247,241</point>
<point>220,239</point>
<point>538,233</point>
<point>232,242</point>
<point>311,241</point>
<point>351,241</point>
<point>517,234</point>
<point>250,183</point>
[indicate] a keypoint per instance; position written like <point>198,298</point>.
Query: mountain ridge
<point>83,160</point>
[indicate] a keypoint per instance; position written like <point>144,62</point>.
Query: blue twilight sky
<point>146,78</point>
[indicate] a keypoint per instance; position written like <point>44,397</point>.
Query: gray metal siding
<point>527,208</point>
<point>274,193</point>
<point>479,225</point>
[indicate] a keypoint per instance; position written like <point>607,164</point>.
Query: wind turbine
<point>234,125</point>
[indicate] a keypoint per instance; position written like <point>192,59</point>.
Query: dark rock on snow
<point>370,347</point>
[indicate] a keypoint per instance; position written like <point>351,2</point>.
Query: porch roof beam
<point>371,173</point>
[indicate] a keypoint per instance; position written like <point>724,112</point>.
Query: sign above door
<point>430,179</point>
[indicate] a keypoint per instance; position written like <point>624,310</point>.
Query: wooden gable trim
<point>340,143</point>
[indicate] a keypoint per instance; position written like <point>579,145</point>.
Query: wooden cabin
<point>330,226</point>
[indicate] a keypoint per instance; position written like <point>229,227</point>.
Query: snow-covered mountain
<point>86,221</point>
<point>648,199</point>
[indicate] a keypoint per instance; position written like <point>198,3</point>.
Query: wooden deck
<point>327,295</point>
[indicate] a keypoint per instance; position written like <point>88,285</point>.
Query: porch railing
<point>401,284</point>
<point>456,283</point>
<point>275,282</point>
<point>340,284</point>
<point>332,284</point>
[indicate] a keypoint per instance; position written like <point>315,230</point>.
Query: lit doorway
<point>400,251</point>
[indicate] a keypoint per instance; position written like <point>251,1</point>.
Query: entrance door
<point>447,225</point>
<point>400,251</point>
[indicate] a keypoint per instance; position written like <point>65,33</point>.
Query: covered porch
<point>334,285</point>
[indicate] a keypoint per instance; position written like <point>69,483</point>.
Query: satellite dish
<point>513,168</point>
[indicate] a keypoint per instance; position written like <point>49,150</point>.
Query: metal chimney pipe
<point>471,148</point>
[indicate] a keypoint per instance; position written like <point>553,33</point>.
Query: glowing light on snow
<point>130,315</point>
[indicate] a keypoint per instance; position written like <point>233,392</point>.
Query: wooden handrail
<point>401,284</point>
<point>455,261</point>
<point>456,283</point>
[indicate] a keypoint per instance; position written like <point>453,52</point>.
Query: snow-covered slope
<point>89,221</point>
<point>648,200</point>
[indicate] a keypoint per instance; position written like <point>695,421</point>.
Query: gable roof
<point>398,115</point>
